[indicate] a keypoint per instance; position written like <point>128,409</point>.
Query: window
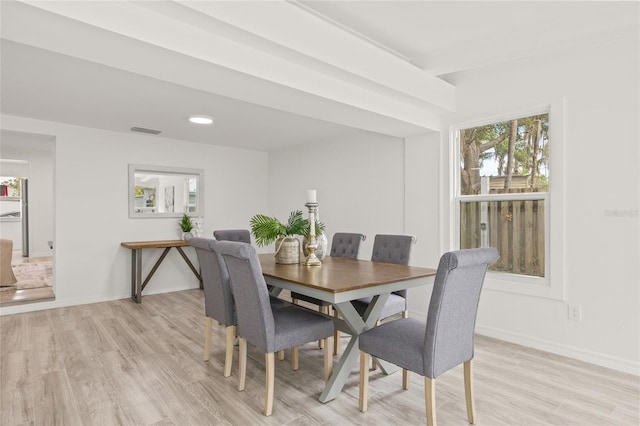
<point>504,170</point>
<point>508,192</point>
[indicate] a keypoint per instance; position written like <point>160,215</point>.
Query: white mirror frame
<point>162,171</point>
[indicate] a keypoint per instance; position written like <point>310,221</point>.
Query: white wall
<point>91,207</point>
<point>371,183</point>
<point>359,180</point>
<point>362,186</point>
<point>601,92</point>
<point>38,151</point>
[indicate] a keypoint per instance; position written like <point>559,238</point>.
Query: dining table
<point>339,281</point>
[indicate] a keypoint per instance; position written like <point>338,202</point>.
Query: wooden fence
<point>514,228</point>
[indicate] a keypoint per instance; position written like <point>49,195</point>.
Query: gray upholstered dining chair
<point>218,299</point>
<point>445,340</point>
<point>240,235</point>
<point>219,304</point>
<point>390,249</point>
<point>244,236</point>
<point>343,244</point>
<point>346,244</point>
<point>270,330</point>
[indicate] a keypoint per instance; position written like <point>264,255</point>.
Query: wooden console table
<point>137,285</point>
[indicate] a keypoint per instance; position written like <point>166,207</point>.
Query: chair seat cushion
<point>309,299</point>
<point>399,342</point>
<point>295,326</point>
<point>394,305</point>
<point>277,303</point>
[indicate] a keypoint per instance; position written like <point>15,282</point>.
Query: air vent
<point>143,130</point>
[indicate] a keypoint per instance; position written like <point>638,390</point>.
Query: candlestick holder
<point>312,245</point>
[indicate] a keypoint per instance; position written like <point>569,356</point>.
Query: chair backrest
<point>453,308</point>
<point>253,308</point>
<point>218,298</point>
<point>345,244</point>
<point>239,235</point>
<point>393,249</point>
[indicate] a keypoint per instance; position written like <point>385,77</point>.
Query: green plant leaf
<point>267,229</point>
<point>296,224</point>
<point>320,226</point>
<point>185,223</point>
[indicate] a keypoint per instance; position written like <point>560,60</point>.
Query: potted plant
<point>186,225</point>
<point>268,229</point>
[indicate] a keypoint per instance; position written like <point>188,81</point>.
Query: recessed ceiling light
<point>201,119</point>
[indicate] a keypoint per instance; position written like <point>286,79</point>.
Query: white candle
<point>311,195</point>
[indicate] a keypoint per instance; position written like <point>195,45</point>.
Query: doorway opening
<point>27,216</point>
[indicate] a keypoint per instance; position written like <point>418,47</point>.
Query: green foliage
<point>267,229</point>
<point>185,223</point>
<point>319,228</point>
<point>523,145</point>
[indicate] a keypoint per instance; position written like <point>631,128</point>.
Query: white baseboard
<point>42,254</point>
<point>597,358</point>
<point>604,360</point>
<point>53,304</point>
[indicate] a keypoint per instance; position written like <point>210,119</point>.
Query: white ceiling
<point>273,73</point>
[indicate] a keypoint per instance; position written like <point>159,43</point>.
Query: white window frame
<point>550,286</point>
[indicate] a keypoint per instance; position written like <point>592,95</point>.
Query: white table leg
<point>356,325</point>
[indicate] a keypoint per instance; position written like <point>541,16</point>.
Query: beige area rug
<point>31,275</point>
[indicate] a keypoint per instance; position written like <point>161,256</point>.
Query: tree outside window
<point>503,191</point>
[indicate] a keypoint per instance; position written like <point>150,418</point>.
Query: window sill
<point>524,285</point>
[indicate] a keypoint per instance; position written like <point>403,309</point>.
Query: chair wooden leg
<point>269,362</point>
<point>322,310</point>
<point>242,363</point>
<point>294,358</point>
<point>328,359</point>
<point>207,338</point>
<point>281,355</point>
<point>430,400</point>
<point>228,358</point>
<point>405,379</point>
<point>468,392</point>
<point>336,336</point>
<point>405,314</point>
<point>364,381</point>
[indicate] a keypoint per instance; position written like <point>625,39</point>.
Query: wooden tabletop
<point>338,274</point>
<point>135,245</point>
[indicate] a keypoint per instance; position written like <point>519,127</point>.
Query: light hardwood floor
<point>30,295</point>
<point>120,363</point>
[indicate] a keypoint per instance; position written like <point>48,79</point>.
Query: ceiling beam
<point>165,39</point>
<point>289,25</point>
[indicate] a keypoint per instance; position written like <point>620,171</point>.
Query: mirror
<point>157,191</point>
